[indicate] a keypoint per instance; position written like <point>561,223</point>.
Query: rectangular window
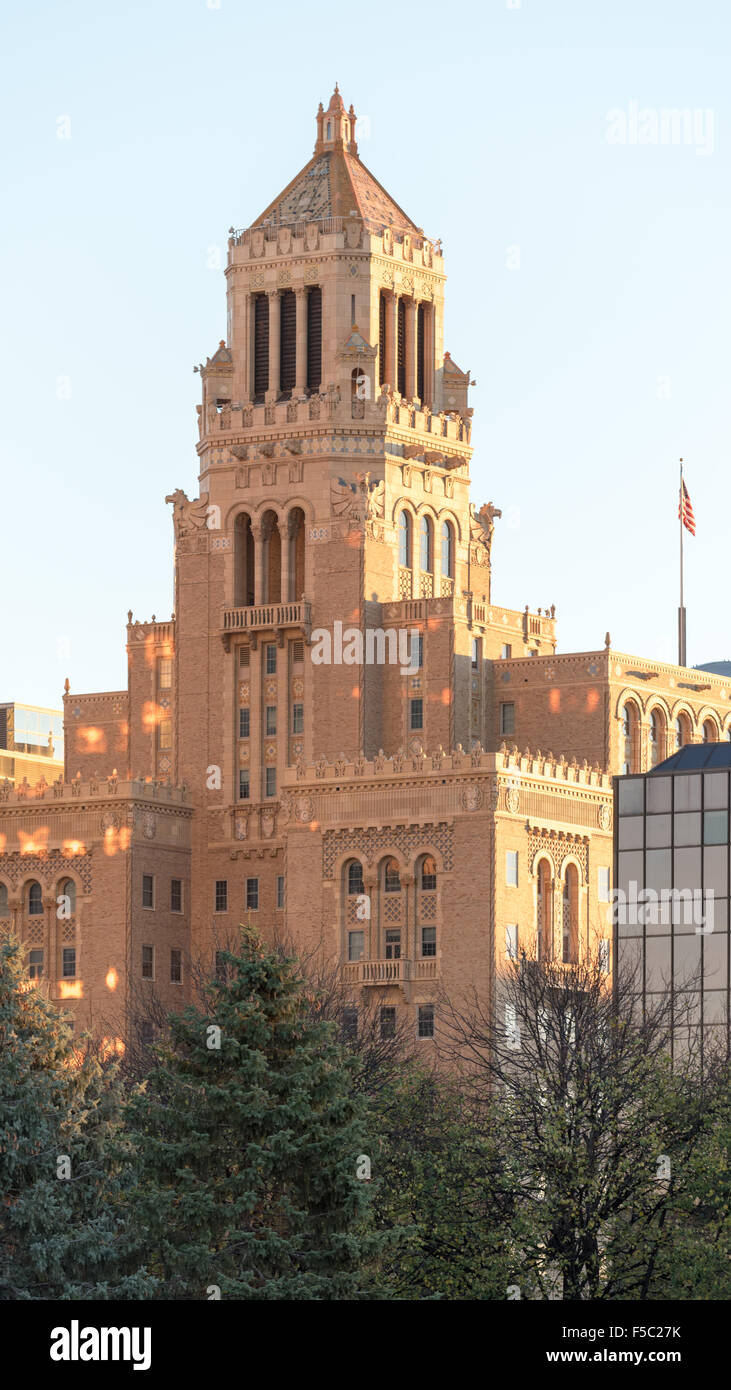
<point>270,658</point>
<point>164,673</point>
<point>511,941</point>
<point>146,1034</point>
<point>244,723</point>
<point>298,719</point>
<point>261,346</point>
<point>148,890</point>
<point>271,720</point>
<point>243,784</point>
<point>715,827</point>
<point>602,887</point>
<point>426,1021</point>
<point>475,653</point>
<point>148,962</point>
<point>270,781</point>
<point>393,945</point>
<point>176,895</point>
<point>604,956</point>
<point>507,651</point>
<point>416,651</point>
<point>511,868</point>
<point>356,945</point>
<point>416,714</point>
<point>388,1021</point>
<point>220,966</point>
<point>314,338</point>
<point>349,1028</point>
<point>176,966</point>
<point>507,718</point>
<point>244,658</point>
<point>165,734</point>
<point>428,941</point>
<point>221,895</point>
<point>420,341</point>
<point>382,339</point>
<point>280,890</point>
<point>252,894</point>
<point>287,341</point>
<point>35,965</point>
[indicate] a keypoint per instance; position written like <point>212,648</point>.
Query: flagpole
<point>681,610</point>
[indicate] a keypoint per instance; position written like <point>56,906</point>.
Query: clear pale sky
<point>599,360</point>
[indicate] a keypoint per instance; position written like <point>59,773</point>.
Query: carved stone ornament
<point>472,797</point>
<point>512,799</point>
<point>241,826</point>
<point>604,817</point>
<point>188,515</point>
<point>149,825</point>
<point>304,809</point>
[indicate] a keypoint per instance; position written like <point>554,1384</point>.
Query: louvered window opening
<point>288,343</point>
<point>261,347</point>
<point>382,340</point>
<point>401,348</point>
<point>420,327</point>
<point>314,338</point>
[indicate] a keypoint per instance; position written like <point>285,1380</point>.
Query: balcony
<point>390,972</point>
<point>266,617</point>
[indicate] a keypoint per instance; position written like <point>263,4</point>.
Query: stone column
<point>392,342</point>
<point>257,532</point>
<point>300,384</point>
<point>285,528</point>
<point>371,923</point>
<point>275,325</point>
<point>408,938</point>
<point>410,346</point>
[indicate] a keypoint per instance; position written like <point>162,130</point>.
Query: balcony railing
<point>265,617</point>
<point>390,972</point>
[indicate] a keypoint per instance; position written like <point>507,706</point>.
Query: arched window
<point>657,737</point>
<point>710,733</point>
<point>4,909</point>
<point>68,889</point>
<point>35,899</point>
<point>243,562</point>
<point>428,874</point>
<point>426,547</point>
<point>329,129</point>
<point>404,540</point>
<point>630,742</point>
<point>544,913</point>
<point>392,877</point>
<point>447,551</point>
<point>355,877</point>
<point>682,731</point>
<point>571,915</point>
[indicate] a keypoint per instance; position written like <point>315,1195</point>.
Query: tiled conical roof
<point>335,182</point>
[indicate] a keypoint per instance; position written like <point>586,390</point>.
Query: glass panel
<point>687,962</point>
<point>658,831</point>
<point>658,869</point>
<point>631,798</point>
<point>715,790</point>
<point>630,832</point>
<point>629,963</point>
<point>657,965</point>
<point>715,950</point>
<point>687,868</point>
<point>630,869</point>
<point>715,870</point>
<point>715,828</point>
<point>714,1006</point>
<point>688,828</point>
<point>688,792</point>
<point>659,791</point>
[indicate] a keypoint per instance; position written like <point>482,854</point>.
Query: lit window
<point>165,734</point>
<point>164,673</point>
<point>428,874</point>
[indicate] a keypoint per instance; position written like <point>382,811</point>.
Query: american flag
<point>685,510</point>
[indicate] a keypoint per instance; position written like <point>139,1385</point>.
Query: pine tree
<point>250,1141</point>
<point>59,1109</point>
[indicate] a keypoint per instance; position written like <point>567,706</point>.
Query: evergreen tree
<point>59,1110</point>
<point>248,1139</point>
